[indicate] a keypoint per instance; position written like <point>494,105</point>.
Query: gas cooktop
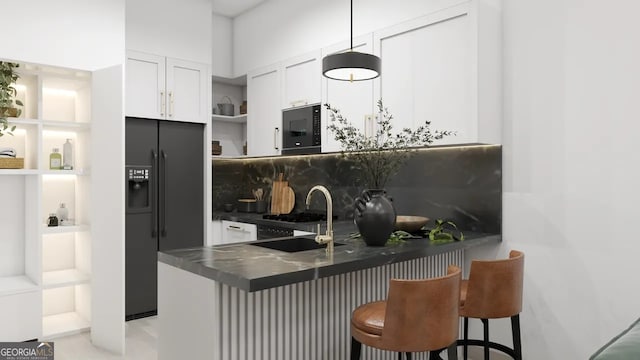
<point>299,217</point>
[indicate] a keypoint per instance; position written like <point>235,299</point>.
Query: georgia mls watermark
<point>26,350</point>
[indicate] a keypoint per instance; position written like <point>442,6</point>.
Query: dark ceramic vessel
<point>374,216</point>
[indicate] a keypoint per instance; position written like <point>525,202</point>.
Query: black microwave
<point>301,130</point>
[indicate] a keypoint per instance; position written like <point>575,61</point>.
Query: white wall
<point>177,29</point>
<point>85,35</point>
<point>222,64</point>
<point>263,35</point>
<point>571,183</point>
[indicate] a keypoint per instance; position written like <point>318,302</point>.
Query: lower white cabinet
<point>235,232</point>
<point>20,313</point>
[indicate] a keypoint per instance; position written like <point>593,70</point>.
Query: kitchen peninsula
<point>242,301</point>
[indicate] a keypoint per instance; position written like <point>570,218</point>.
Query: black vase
<point>375,216</point>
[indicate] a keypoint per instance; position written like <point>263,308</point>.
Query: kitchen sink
<point>292,245</point>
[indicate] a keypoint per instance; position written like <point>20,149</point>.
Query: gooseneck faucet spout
<point>328,237</point>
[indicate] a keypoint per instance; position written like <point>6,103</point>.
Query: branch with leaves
<point>8,78</point>
<point>381,155</point>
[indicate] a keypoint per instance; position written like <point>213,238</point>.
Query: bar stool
<point>418,315</point>
<point>494,290</point>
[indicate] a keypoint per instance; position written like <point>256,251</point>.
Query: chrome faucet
<point>327,238</point>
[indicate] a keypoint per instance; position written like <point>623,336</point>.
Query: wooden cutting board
<point>288,199</point>
<point>283,197</point>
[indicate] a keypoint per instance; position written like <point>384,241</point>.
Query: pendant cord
<point>351,25</point>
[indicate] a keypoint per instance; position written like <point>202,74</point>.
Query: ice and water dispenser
<point>138,189</point>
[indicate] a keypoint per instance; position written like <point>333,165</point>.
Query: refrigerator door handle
<point>163,194</point>
<point>154,190</point>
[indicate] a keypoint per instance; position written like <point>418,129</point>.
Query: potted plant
<point>8,77</point>
<point>378,158</point>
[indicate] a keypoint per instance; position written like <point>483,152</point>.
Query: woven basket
<point>11,163</point>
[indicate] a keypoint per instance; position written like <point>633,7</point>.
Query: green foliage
<point>8,78</point>
<point>396,237</point>
<point>381,155</point>
<point>443,232</point>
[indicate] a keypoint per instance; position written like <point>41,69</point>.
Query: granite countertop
<point>253,268</point>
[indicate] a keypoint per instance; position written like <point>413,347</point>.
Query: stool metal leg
<point>515,330</point>
<point>356,348</point>
<point>466,337</point>
<point>452,351</point>
<point>485,323</point>
<point>399,356</point>
<point>408,356</point>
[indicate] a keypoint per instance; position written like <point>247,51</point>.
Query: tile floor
<point>141,344</point>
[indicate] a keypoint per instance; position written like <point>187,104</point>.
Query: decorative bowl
<point>410,223</point>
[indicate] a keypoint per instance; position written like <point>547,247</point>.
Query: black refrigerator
<point>165,202</point>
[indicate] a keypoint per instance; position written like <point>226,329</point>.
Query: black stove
<point>299,217</point>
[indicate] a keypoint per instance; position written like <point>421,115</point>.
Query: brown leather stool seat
<point>370,317</point>
<point>418,315</point>
<point>493,291</point>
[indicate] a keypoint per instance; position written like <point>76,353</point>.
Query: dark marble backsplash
<point>459,183</point>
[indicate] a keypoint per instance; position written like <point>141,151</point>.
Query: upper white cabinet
<point>431,70</point>
<point>166,88</point>
<point>353,99</point>
<point>187,84</point>
<point>301,80</point>
<point>264,121</point>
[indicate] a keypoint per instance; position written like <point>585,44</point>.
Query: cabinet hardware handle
<point>163,194</point>
<point>236,228</point>
<point>276,131</point>
<point>153,183</point>
<point>170,103</point>
<point>162,103</point>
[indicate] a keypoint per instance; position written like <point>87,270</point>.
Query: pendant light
<point>351,65</point>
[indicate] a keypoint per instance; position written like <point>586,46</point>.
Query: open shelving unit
<point>46,271</point>
<point>231,131</point>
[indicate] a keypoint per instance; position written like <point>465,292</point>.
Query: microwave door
<point>297,133</point>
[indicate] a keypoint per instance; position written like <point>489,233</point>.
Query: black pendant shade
<point>351,65</point>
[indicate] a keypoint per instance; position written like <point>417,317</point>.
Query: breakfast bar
<point>243,301</point>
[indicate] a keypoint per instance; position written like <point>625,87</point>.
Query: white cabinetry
<point>354,99</point>
<point>234,232</point>
<point>45,272</point>
<point>158,87</point>
<point>264,121</point>
<point>301,80</point>
<point>431,70</point>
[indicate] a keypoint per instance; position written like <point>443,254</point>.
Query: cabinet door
<point>301,80</point>
<point>234,232</point>
<point>354,99</point>
<point>427,73</point>
<point>264,121</point>
<point>187,95</point>
<point>145,85</point>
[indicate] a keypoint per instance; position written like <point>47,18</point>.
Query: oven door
<point>271,232</point>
